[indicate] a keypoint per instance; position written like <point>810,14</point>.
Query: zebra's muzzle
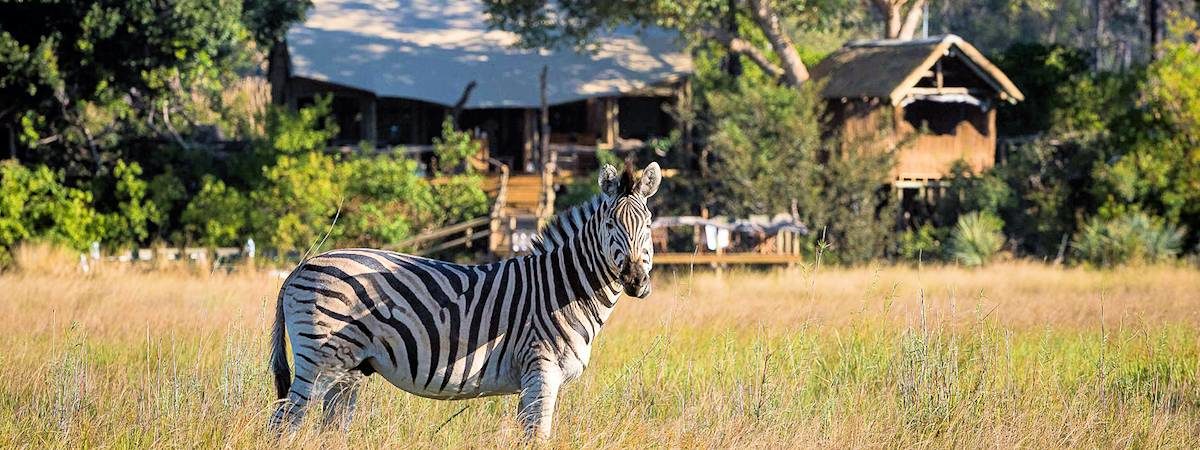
<point>636,282</point>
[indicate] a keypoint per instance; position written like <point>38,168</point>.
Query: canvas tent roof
<point>888,68</point>
<point>430,50</point>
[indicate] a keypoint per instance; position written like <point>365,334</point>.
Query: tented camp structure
<point>396,68</point>
<point>891,89</point>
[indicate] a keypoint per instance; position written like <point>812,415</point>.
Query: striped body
<point>442,330</point>
<point>446,331</point>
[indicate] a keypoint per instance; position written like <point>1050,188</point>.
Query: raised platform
<point>725,258</point>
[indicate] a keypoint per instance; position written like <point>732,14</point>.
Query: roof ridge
<point>938,39</point>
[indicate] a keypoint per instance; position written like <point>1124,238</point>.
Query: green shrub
<point>35,204</point>
<point>295,207</point>
<point>216,216</point>
<point>921,244</point>
<point>1135,238</point>
<point>460,198</point>
<point>130,224</point>
<point>453,148</point>
<point>976,238</point>
<point>386,200</point>
<point>168,193</point>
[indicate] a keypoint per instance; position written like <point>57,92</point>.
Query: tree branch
<point>743,47</point>
<point>462,102</point>
<point>768,20</point>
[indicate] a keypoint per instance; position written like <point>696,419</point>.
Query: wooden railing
<point>417,245</point>
<point>496,218</point>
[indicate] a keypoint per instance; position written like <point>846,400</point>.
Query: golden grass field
<point>1017,354</point>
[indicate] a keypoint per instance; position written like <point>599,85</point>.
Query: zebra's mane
<point>566,225</point>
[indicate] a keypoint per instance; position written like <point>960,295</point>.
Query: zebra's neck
<point>571,257</point>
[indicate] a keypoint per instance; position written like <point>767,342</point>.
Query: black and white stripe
<point>447,331</point>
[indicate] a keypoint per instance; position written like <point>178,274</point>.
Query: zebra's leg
<point>290,412</point>
<point>341,399</point>
<point>539,392</point>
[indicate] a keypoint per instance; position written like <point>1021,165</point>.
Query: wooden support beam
<point>369,120</point>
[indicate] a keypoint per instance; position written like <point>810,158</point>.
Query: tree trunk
<point>912,20</point>
<point>794,71</point>
<point>899,24</point>
<point>1152,13</point>
<point>893,16</point>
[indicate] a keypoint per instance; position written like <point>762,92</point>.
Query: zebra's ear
<point>608,180</point>
<point>651,177</point>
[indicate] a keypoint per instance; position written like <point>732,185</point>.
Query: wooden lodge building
<point>932,99</point>
<point>396,69</point>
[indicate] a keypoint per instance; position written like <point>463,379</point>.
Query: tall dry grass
<point>1012,355</point>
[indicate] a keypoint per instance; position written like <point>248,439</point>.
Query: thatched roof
<point>889,68</point>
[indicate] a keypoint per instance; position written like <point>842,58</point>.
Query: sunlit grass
<point>1011,355</point>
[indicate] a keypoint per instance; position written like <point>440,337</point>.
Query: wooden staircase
<point>523,196</point>
<point>516,201</point>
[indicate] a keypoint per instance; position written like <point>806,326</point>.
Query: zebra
<point>523,325</point>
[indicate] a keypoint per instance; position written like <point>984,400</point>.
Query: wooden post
<point>612,128</point>
<point>684,105</point>
<point>527,141</point>
<point>549,157</point>
<point>369,126</point>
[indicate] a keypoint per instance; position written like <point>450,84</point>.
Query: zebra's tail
<point>279,363</point>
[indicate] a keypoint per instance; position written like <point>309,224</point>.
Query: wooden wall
<point>930,155</point>
<point>926,156</point>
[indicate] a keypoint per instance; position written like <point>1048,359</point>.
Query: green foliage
<point>94,74</point>
<point>1157,156</point>
<point>453,148</point>
<point>216,216</point>
<point>460,198</point>
<point>1135,238</point>
<point>921,244</point>
<point>306,130</point>
<point>297,203</point>
<point>270,19</point>
<point>771,157</point>
<point>1041,71</point>
<point>386,200</point>
<point>768,139</point>
<point>35,204</point>
<point>167,193</point>
<point>976,238</point>
<point>130,224</point>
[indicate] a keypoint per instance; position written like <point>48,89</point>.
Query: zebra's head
<point>626,228</point>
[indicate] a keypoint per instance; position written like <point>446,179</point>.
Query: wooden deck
<point>725,258</point>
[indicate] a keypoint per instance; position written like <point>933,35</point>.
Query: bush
<point>36,205</point>
<point>453,148</point>
<point>771,157</point>
<point>216,216</point>
<point>386,200</point>
<point>921,244</point>
<point>294,209</point>
<point>460,198</point>
<point>1135,238</point>
<point>130,225</point>
<point>976,238</point>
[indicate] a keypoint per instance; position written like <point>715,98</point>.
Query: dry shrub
<point>45,259</point>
